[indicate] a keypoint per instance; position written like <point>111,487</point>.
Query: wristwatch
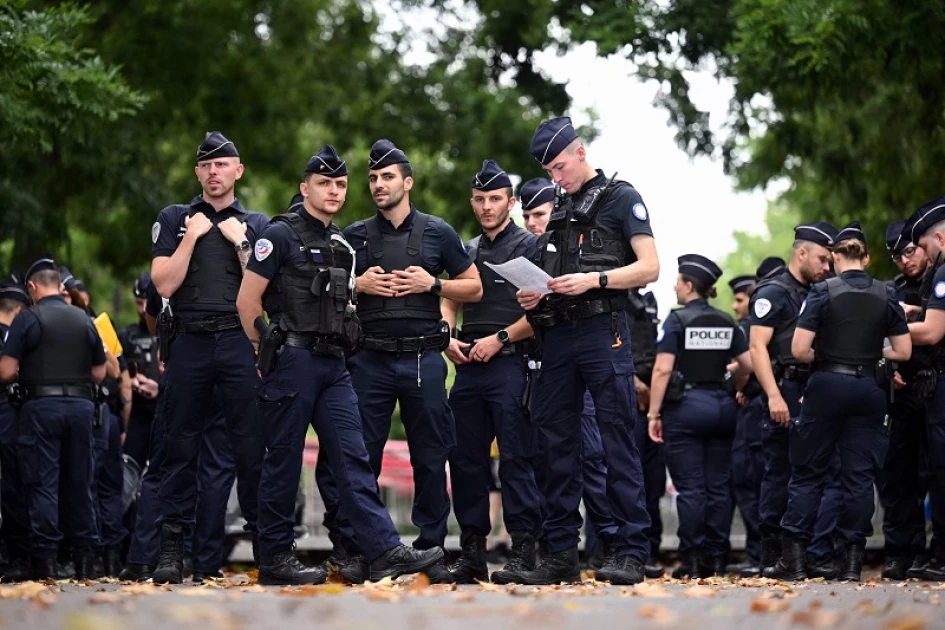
<point>437,286</point>
<point>603,279</point>
<point>244,246</point>
<point>503,337</point>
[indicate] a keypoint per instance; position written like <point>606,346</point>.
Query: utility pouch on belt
<point>444,336</point>
<point>166,331</point>
<point>270,340</point>
<point>884,378</point>
<point>676,388</point>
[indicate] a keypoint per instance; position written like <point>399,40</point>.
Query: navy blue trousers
<point>418,383</point>
<point>487,402</point>
<point>698,433</point>
<point>15,531</point>
<point>109,482</point>
<point>201,364</point>
<point>308,390</point>
<point>654,480</point>
<point>849,413</point>
<point>747,468</point>
<point>55,449</point>
<point>935,426</point>
<point>580,356</point>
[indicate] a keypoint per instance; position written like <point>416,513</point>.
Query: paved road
<point>234,604</point>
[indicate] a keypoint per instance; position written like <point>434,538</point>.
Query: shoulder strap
<point>686,315</point>
<point>415,242</point>
<point>297,224</point>
<point>472,247</point>
<point>879,289</point>
<point>375,246</point>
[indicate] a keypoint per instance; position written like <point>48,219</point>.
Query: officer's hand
<point>912,311</point>
<point>375,282</point>
<point>643,393</point>
<point>898,383</point>
<point>778,410</point>
<point>485,349</point>
<point>574,283</point>
<point>413,279</point>
<point>146,387</point>
<point>655,429</point>
<point>455,352</point>
<point>197,225</point>
<point>742,400</point>
<point>528,299</point>
<point>233,230</point>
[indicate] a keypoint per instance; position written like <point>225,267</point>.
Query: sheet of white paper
<point>524,274</point>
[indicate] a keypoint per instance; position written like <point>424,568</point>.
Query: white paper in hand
<point>524,274</point>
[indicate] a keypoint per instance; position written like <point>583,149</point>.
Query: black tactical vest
<point>576,242</point>
<point>498,307</point>
<point>397,251</point>
<point>643,332</point>
<point>213,277</point>
<point>63,356</point>
<point>312,296</point>
<point>141,351</point>
<point>909,289</point>
<point>854,326</point>
<point>706,348</point>
<point>779,348</point>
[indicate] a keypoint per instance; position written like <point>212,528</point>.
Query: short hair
<point>932,229</point>
<point>46,278</point>
<point>8,305</point>
<point>405,169</point>
<point>699,286</point>
<point>573,145</point>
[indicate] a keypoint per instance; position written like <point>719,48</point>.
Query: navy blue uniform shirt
<point>772,306</point>
<point>25,333</point>
<point>168,230</point>
<point>4,329</point>
<point>623,211</point>
<point>155,303</point>
<point>937,298</point>
<point>671,336</point>
<point>815,306</point>
<point>526,248</point>
<point>442,250</point>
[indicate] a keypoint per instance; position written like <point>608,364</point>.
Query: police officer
<point>199,253</point>
<point>58,354</point>
<point>487,395</point>
<point>538,199</point>
<point>598,246</point>
<point>140,350</point>
<point>849,315</point>
<point>15,531</point>
<point>775,303</point>
<point>905,479</point>
<point>303,270</point>
<point>400,252</point>
<point>698,420</point>
<point>926,228</point>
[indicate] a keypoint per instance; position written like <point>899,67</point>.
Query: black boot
<point>652,568</point>
<point>471,565</point>
<point>17,570</point>
<point>712,565</point>
<point>403,560</point>
<point>111,561</point>
<point>521,559</point>
<point>916,570</point>
<point>793,562</point>
<point>84,563</point>
<point>199,577</point>
<point>136,572</point>
<point>770,552</point>
<point>284,568</point>
<point>170,568</point>
<point>851,565</point>
<point>826,569</point>
<point>934,569</point>
<point>624,571</point>
<point>555,568</point>
<point>354,570</point>
<point>338,553</point>
<point>43,568</point>
<point>747,569</point>
<point>688,566</point>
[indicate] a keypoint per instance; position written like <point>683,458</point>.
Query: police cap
<point>819,232</point>
<point>327,162</point>
<point>700,268</point>
<point>770,266</point>
<point>924,218</point>
<point>66,278</point>
<point>896,241</point>
<point>536,192</point>
<point>741,284</point>
<point>15,292</point>
<point>215,145</point>
<point>142,284</point>
<point>384,153</point>
<point>851,232</point>
<point>43,263</point>
<point>490,177</point>
<point>550,139</point>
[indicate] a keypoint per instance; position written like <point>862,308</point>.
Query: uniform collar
<point>853,273</point>
<point>406,225</point>
<point>697,302</point>
<point>315,223</point>
<point>235,206</point>
<point>52,298</point>
<point>598,180</point>
<point>504,234</point>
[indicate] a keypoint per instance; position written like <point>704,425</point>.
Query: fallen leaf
<point>646,589</point>
<point>26,590</point>
<point>105,598</point>
<point>313,590</point>
<point>254,588</point>
<point>384,596</point>
<point>572,606</point>
<point>867,608</point>
<point>465,596</point>
<point>658,614</point>
<point>253,576</point>
<point>199,591</point>
<point>769,605</point>
<point>814,605</point>
<point>816,618</point>
<point>419,584</point>
<point>907,622</point>
<point>701,592</point>
<point>139,589</point>
<point>489,586</point>
<point>44,600</point>
<point>935,600</point>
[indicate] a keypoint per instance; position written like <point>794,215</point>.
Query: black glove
<point>923,385</point>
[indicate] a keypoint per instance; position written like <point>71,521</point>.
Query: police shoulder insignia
<point>762,308</point>
<point>155,231</point>
<point>639,211</point>
<point>660,335</point>
<point>263,249</point>
<point>803,306</point>
<point>940,290</point>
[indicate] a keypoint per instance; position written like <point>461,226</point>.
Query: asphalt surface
<point>234,603</point>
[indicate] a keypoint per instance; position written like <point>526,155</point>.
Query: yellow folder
<point>106,330</point>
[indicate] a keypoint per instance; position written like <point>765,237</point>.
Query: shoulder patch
<point>263,249</point>
<point>155,231</point>
<point>660,335</point>
<point>639,211</point>
<point>762,308</point>
<point>803,306</point>
<point>939,289</point>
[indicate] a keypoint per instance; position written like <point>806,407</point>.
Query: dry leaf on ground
<point>907,622</point>
<point>26,590</point>
<point>384,596</point>
<point>701,592</point>
<point>646,589</point>
<point>659,614</point>
<point>313,590</point>
<point>489,586</point>
<point>465,596</point>
<point>816,618</point>
<point>769,605</point>
<point>419,584</point>
<point>105,598</point>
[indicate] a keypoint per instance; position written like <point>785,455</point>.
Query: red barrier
<point>396,471</point>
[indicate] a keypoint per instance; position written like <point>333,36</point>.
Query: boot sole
<point>617,580</point>
<point>507,577</point>
<point>472,579</point>
<point>406,569</point>
<point>266,580</point>
<point>166,580</point>
<point>566,580</point>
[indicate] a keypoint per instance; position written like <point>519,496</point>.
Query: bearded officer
<point>303,270</point>
<point>199,253</point>
<point>599,245</point>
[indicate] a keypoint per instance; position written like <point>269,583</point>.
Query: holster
<point>676,388</point>
<point>728,384</point>
<point>101,407</point>
<point>337,316</point>
<point>166,332</point>
<point>16,395</point>
<point>884,378</point>
<point>270,341</point>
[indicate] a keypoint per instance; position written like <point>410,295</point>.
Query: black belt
<point>508,350</point>
<point>210,324</point>
<point>796,373</point>
<point>584,310</point>
<point>63,391</point>
<point>406,344</point>
<point>316,344</point>
<point>707,386</point>
<point>849,370</point>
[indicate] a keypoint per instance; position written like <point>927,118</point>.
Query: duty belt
<point>508,350</point>
<point>848,369</point>
<point>60,391</point>
<point>584,310</point>
<point>316,344</point>
<point>706,386</point>
<point>796,373</point>
<point>210,324</point>
<point>406,344</point>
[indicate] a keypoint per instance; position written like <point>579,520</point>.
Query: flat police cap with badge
<point>924,219</point>
<point>896,241</point>
<point>327,162</point>
<point>700,268</point>
<point>490,177</point>
<point>820,233</point>
<point>215,145</point>
<point>384,153</point>
<point>536,192</point>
